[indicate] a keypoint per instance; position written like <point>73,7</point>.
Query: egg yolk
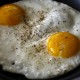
<point>11,14</point>
<point>63,45</point>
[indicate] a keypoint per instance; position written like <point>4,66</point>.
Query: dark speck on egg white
<point>16,48</point>
<point>64,21</point>
<point>41,15</point>
<point>58,22</point>
<point>77,30</point>
<point>13,63</point>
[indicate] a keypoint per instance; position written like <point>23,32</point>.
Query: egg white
<point>25,44</point>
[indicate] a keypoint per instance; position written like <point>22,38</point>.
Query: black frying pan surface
<point>4,75</point>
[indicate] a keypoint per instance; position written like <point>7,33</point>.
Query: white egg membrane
<point>23,47</point>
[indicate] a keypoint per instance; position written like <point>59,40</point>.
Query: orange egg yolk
<point>11,14</point>
<point>63,45</point>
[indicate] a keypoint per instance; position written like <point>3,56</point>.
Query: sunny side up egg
<point>39,38</point>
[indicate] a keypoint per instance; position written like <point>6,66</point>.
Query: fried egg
<point>39,38</point>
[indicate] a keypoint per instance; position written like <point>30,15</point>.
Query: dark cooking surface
<point>68,76</point>
<point>74,3</point>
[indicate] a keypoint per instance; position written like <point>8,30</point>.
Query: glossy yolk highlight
<point>63,44</point>
<point>11,14</point>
